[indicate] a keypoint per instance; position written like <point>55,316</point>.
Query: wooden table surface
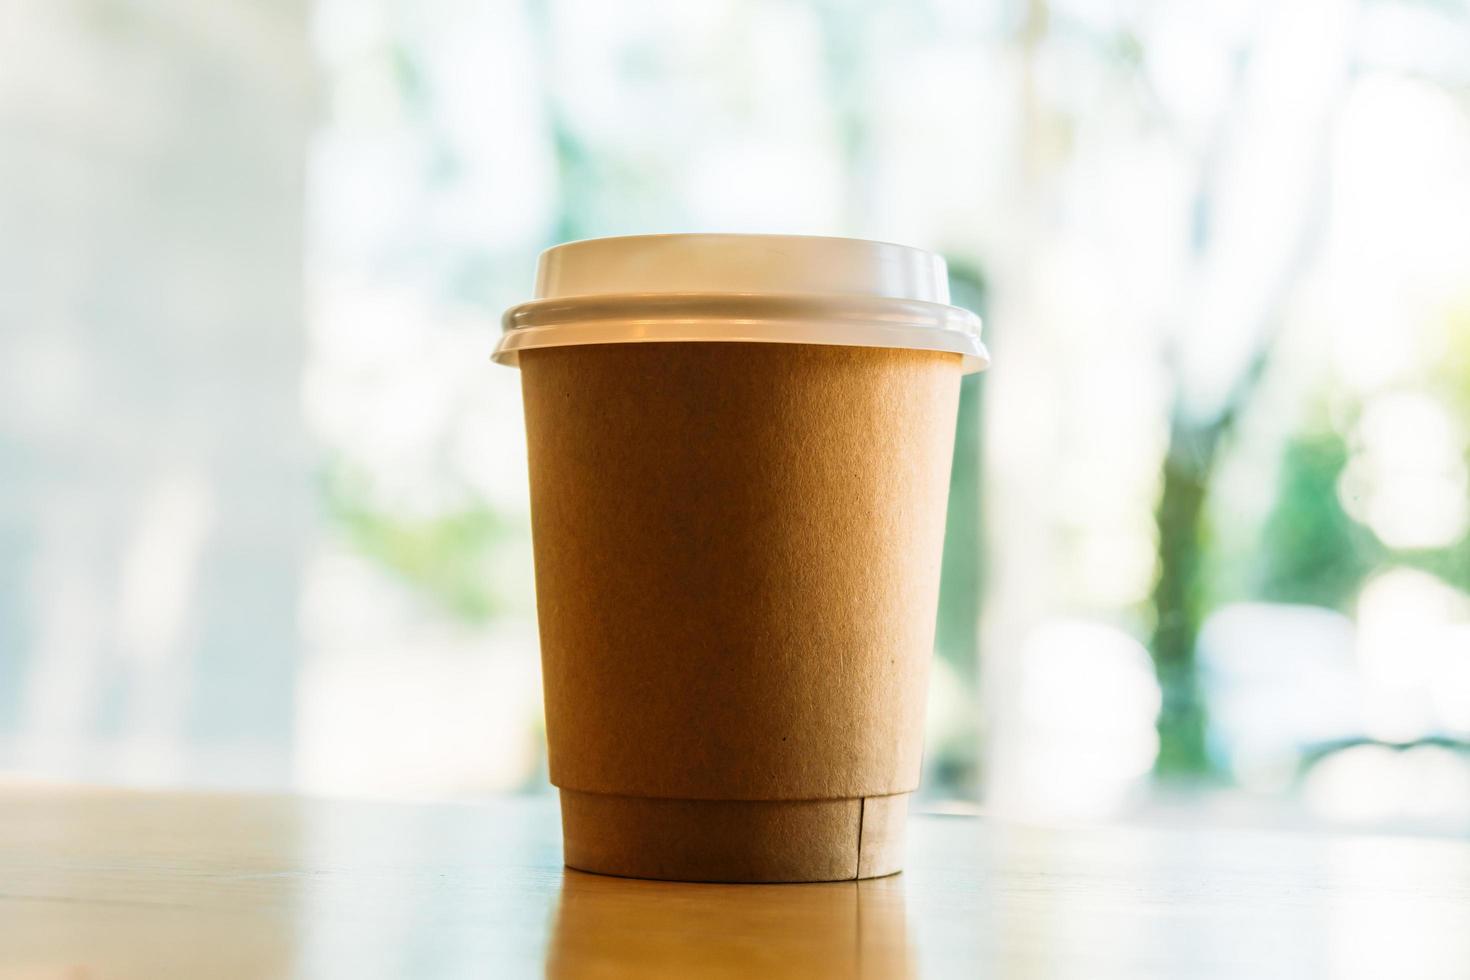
<point>102,884</point>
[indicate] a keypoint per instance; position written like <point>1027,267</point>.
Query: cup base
<point>734,840</point>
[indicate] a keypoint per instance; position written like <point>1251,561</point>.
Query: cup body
<point>737,551</point>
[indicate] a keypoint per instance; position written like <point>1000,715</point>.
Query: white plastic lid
<point>751,288</point>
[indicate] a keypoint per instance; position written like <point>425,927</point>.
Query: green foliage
<point>1312,551</point>
<point>1450,565</point>
<point>960,585</point>
<point>446,556</point>
<point>956,634</point>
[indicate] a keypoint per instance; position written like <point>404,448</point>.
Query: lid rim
<point>738,305</point>
<point>625,318</point>
<point>973,360</point>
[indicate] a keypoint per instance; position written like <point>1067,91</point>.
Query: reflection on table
<point>854,929</point>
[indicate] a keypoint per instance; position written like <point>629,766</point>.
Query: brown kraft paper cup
<point>737,572</point>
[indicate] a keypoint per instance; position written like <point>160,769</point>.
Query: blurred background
<point>264,518</point>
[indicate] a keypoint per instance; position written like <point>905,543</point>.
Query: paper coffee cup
<point>738,488</point>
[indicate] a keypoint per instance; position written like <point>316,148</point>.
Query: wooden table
<point>103,884</point>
